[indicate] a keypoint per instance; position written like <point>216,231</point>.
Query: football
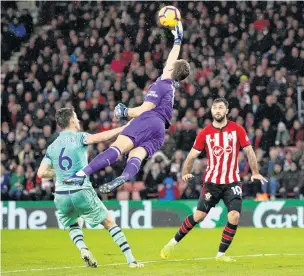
<point>169,16</point>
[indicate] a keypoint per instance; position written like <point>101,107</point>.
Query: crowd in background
<point>16,27</point>
<point>97,54</point>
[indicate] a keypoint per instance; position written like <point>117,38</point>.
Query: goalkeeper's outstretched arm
<point>174,53</point>
<point>121,111</point>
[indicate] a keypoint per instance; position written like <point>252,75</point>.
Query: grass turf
<point>51,252</point>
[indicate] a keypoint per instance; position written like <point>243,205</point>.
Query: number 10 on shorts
<point>237,190</point>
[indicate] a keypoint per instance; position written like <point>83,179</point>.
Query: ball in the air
<point>169,16</point>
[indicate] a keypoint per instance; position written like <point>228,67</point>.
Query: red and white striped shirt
<point>222,147</point>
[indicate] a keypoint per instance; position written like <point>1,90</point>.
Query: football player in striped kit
<point>221,140</point>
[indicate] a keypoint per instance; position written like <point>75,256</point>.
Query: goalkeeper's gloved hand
<point>121,111</point>
<point>178,33</point>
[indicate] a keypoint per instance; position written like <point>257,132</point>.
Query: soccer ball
<point>169,16</point>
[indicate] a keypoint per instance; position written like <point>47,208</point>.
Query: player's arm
<point>174,53</point>
<point>103,136</point>
<point>46,171</point>
<point>253,164</point>
<point>46,168</point>
<point>136,111</point>
<point>252,161</point>
<point>251,157</point>
<point>193,154</point>
<point>196,150</point>
<point>121,111</point>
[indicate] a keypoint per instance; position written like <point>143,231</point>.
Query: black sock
<point>186,226</point>
<point>227,236</point>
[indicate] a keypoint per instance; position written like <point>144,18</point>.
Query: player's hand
<point>120,111</point>
<point>178,33</point>
<point>259,177</point>
<point>187,177</point>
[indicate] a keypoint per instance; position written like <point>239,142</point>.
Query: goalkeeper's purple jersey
<point>161,93</point>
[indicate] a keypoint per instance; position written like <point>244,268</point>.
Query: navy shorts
<point>212,193</point>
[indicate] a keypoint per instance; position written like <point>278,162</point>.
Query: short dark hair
<point>221,100</point>
<point>63,117</point>
<point>181,70</point>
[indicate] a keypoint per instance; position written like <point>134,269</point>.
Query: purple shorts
<point>146,131</point>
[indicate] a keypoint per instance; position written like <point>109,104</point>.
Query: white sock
<point>120,239</point>
<point>219,254</point>
<point>80,173</point>
<point>173,241</point>
<point>76,236</point>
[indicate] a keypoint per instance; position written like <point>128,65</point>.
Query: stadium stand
<point>94,55</point>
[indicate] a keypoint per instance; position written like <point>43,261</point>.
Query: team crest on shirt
<point>208,196</point>
<point>230,137</point>
<point>228,149</point>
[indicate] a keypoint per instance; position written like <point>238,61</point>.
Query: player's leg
<point>206,201</point>
<point>108,157</point>
<point>136,156</point>
<point>77,238</point>
<point>104,159</point>
<point>76,235</point>
<point>120,239</point>
<point>233,200</point>
<point>94,212</point>
<point>184,229</point>
<point>68,217</point>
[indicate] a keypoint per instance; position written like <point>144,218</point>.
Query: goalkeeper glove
<point>121,111</point>
<point>178,33</point>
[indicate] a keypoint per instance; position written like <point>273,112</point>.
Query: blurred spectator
<point>152,180</point>
<point>274,177</point>
<point>16,26</point>
<point>160,158</point>
<point>31,191</point>
<point>268,135</point>
<point>282,137</point>
<point>296,133</point>
<point>168,189</point>
<point>270,111</point>
<point>169,146</point>
<point>5,179</point>
<point>290,182</point>
<point>190,193</point>
<point>177,164</point>
<point>196,182</point>
<point>17,183</point>
<point>277,83</point>
<point>259,82</point>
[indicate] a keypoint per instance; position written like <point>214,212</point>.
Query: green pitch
<point>51,252</point>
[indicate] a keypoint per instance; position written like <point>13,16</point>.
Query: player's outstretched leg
<point>133,166</point>
<point>184,229</point>
<point>102,160</point>
<point>227,236</point>
<point>76,236</point>
<point>120,239</point>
